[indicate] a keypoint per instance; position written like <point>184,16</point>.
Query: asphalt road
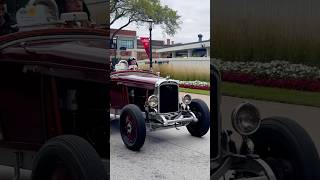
<point>6,173</point>
<point>166,154</point>
<point>173,154</point>
<point>308,117</point>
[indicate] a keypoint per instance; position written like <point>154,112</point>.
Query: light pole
<point>150,44</point>
<point>116,48</point>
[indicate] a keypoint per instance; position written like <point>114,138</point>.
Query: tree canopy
<point>140,11</point>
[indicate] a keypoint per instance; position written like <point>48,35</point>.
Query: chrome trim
<point>157,101</point>
<point>234,164</point>
<point>183,101</point>
<point>114,116</point>
<point>152,128</point>
<point>234,115</point>
<point>180,118</point>
<point>162,80</point>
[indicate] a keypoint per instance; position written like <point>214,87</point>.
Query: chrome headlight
<point>246,119</point>
<point>153,101</point>
<point>186,99</point>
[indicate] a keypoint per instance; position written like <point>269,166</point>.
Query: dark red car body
<point>120,81</point>
<point>37,70</point>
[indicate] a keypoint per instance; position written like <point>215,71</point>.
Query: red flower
<point>298,84</point>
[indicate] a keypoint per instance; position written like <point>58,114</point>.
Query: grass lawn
<point>195,91</point>
<point>264,93</point>
<point>271,94</point>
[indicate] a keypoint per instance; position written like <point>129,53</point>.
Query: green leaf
<point>140,11</point>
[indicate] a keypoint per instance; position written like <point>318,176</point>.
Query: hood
<point>73,47</point>
<point>138,78</point>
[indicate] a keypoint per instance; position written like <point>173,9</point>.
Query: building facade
<point>125,44</point>
<point>128,44</point>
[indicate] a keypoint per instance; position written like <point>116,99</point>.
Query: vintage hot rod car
<point>54,103</point>
<point>274,148</point>
<point>150,102</point>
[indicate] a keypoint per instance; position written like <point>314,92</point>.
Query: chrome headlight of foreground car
<point>246,119</point>
<point>186,99</point>
<point>153,101</point>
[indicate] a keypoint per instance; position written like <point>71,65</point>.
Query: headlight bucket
<point>186,99</point>
<point>246,119</point>
<point>153,101</point>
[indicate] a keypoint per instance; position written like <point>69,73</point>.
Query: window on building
<point>199,52</point>
<point>127,44</point>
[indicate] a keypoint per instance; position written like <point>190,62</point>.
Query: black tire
<point>69,156</point>
<point>132,127</point>
<point>284,144</point>
<point>201,110</point>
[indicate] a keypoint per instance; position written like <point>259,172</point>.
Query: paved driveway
<point>172,154</point>
<point>166,154</point>
<point>308,117</point>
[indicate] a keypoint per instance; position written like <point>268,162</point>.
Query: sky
<point>195,17</point>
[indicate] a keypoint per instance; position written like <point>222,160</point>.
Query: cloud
<point>195,16</point>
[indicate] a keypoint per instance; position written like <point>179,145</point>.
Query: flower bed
<point>298,84</point>
<point>281,74</point>
<point>276,69</point>
<point>195,85</point>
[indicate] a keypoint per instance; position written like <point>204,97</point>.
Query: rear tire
<point>132,127</point>
<point>201,110</point>
<point>68,157</point>
<point>284,144</point>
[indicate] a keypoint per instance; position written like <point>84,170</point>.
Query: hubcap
<point>130,129</point>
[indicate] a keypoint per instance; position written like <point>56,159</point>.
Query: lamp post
<point>116,48</point>
<point>150,45</point>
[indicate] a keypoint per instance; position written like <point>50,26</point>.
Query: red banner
<point>146,44</point>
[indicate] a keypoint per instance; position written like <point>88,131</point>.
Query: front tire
<point>201,110</point>
<point>132,127</point>
<point>68,157</point>
<point>287,148</point>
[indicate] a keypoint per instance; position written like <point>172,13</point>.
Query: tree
<point>140,11</point>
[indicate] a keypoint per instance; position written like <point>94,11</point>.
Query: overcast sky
<point>195,17</point>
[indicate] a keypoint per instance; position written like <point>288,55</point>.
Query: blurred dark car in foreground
<point>274,148</point>
<point>54,103</point>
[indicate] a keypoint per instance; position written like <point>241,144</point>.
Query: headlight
<point>186,99</point>
<point>246,119</point>
<point>153,101</point>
